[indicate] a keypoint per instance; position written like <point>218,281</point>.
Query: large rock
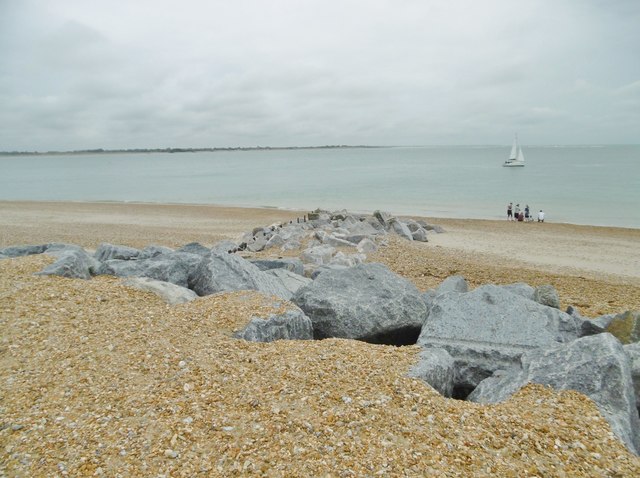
<point>170,293</point>
<point>224,246</point>
<point>333,241</point>
<point>366,246</point>
<point>291,264</point>
<point>347,260</point>
<point>258,243</point>
<point>383,218</point>
<point>490,328</point>
<point>596,366</point>
<point>521,288</point>
<point>153,251</point>
<point>420,235</point>
<point>367,302</point>
<point>547,295</point>
<point>626,327</point>
<point>290,325</point>
<point>401,229</point>
<point>290,280</point>
<point>318,255</point>
<point>633,351</point>
<point>174,267</point>
<point>73,263</point>
<point>275,240</point>
<point>19,251</point>
<point>591,326</point>
<point>227,272</point>
<point>195,248</point>
<point>455,283</point>
<point>436,367</point>
<point>108,251</point>
<point>362,228</point>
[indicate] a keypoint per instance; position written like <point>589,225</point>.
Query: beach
<point>99,379</point>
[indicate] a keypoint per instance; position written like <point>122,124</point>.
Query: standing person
<point>516,212</point>
<point>541,216</point>
<point>509,211</point>
<point>526,212</point>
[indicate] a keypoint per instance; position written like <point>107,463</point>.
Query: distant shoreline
<point>179,150</point>
<point>284,148</point>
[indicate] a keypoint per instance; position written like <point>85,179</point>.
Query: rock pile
<point>334,240</point>
<point>482,345</point>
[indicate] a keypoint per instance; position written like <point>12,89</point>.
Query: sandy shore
<point>99,379</point>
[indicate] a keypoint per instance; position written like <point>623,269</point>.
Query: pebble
<point>400,425</point>
<point>170,453</point>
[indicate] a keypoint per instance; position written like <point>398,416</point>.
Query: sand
<point>98,379</point>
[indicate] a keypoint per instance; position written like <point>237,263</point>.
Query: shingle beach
<point>100,379</point>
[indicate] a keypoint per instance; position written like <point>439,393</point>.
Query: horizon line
<point>253,148</point>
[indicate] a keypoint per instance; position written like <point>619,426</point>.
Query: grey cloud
<point>209,73</point>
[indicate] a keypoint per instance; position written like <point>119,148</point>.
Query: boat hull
<point>514,164</point>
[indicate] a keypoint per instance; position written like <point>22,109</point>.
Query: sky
<point>118,74</point>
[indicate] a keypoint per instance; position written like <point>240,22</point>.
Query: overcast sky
<point>78,74</point>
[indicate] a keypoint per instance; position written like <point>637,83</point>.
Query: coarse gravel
<point>98,379</point>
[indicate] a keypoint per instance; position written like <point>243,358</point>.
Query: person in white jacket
<point>541,216</point>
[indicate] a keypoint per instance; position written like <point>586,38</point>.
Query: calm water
<point>582,185</point>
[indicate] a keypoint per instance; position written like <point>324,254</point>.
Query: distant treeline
<point>174,150</point>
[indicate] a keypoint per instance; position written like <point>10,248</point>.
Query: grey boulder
<point>290,264</point>
<point>224,246</point>
<point>153,251</point>
<point>520,288</point>
<point>228,272</point>
<point>290,280</point>
<point>420,235</point>
<point>170,293</point>
<point>401,229</point>
<point>366,246</point>
<point>19,251</point>
<point>174,267</point>
<point>367,302</point>
<point>453,284</point>
<point>437,368</point>
<point>290,325</point>
<point>489,328</point>
<point>108,251</point>
<point>195,248</point>
<point>596,366</point>
<point>547,295</point>
<point>633,351</point>
<point>72,262</point>
<point>383,218</point>
<point>626,326</point>
<point>318,255</point>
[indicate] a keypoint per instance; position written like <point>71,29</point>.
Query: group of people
<point>514,213</point>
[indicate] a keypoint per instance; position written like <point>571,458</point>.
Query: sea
<point>596,185</point>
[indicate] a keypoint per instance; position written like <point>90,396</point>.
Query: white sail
<point>514,148</point>
<point>516,158</point>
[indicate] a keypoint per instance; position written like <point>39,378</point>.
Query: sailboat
<point>516,158</point>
